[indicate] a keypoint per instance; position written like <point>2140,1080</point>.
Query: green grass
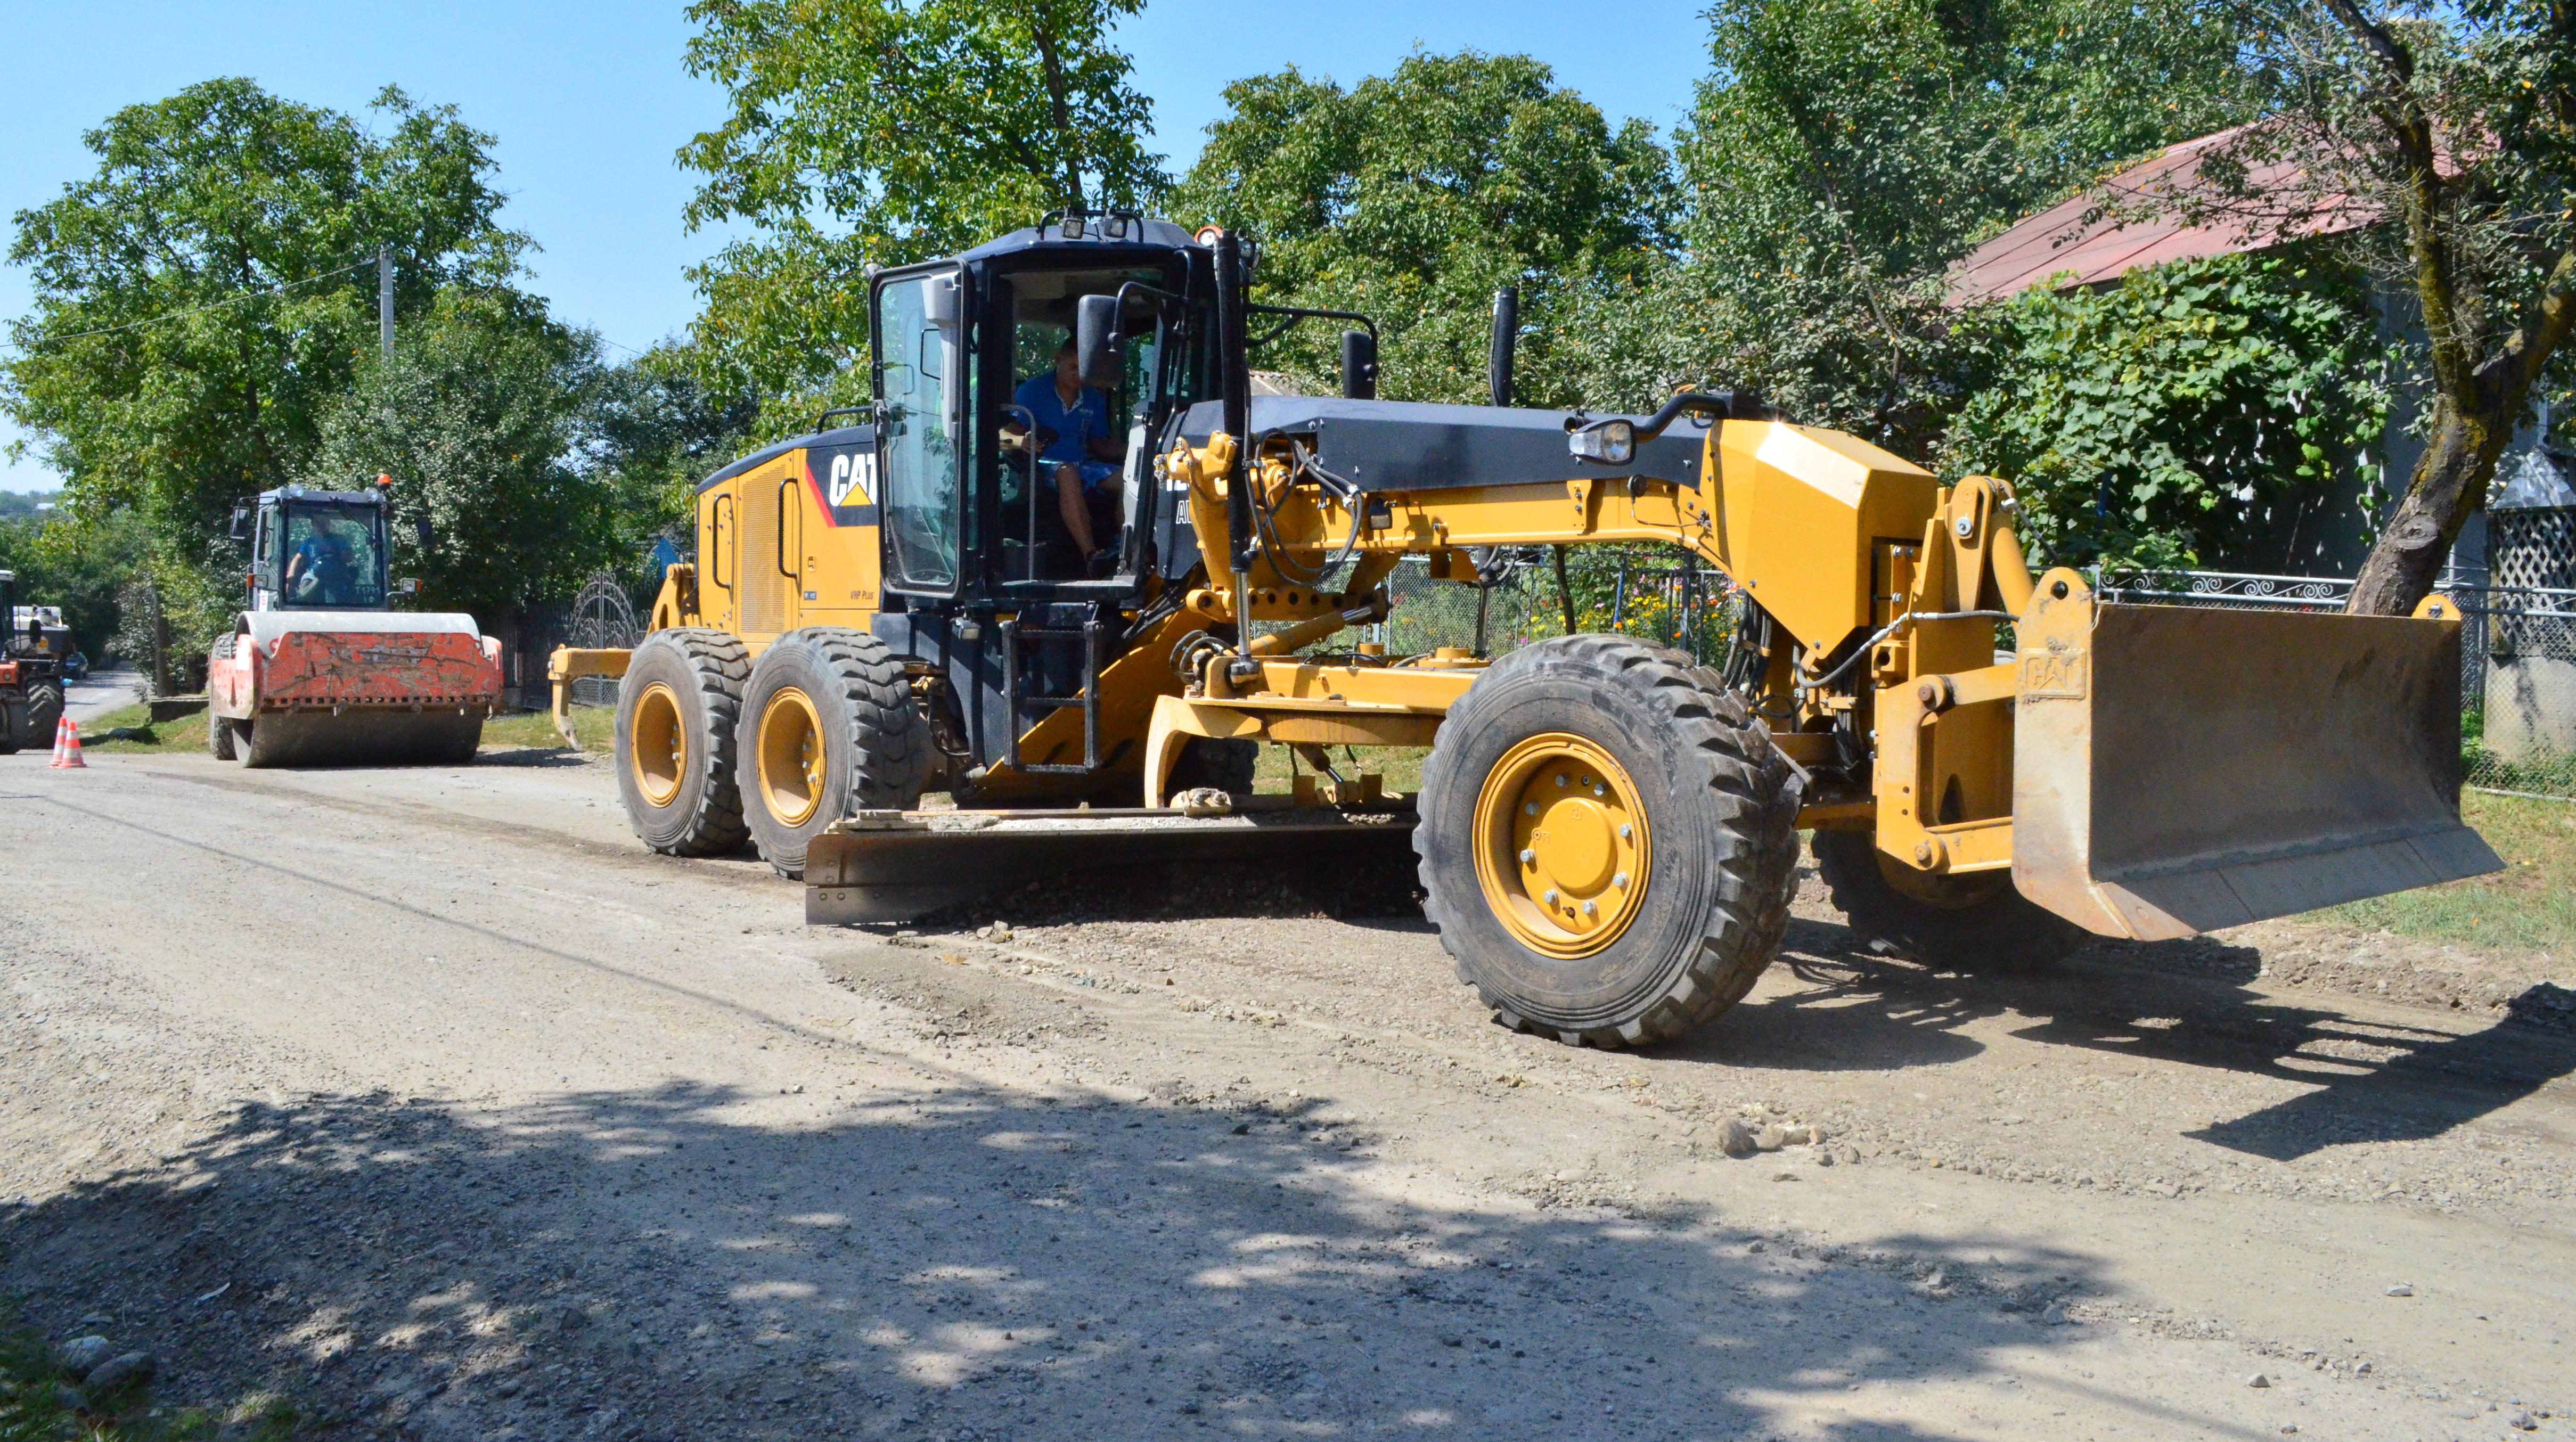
<point>33,1406</point>
<point>188,733</point>
<point>1400,765</point>
<point>514,731</point>
<point>2531,903</point>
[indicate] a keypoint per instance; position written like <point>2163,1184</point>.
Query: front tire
<point>1972,924</point>
<point>223,742</point>
<point>829,726</point>
<point>677,712</point>
<point>1608,841</point>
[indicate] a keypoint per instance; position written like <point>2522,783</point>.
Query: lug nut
<point>1600,790</point>
<point>1588,908</point>
<point>1562,783</point>
<point>1620,881</point>
<point>1528,857</point>
<point>1529,808</point>
<point>1550,897</point>
<point>1627,833</point>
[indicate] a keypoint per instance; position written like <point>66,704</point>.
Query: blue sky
<point>589,100</point>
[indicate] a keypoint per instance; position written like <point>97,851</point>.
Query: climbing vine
<point>2183,415</point>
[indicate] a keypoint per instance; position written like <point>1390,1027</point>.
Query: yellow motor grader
<point>1606,830</point>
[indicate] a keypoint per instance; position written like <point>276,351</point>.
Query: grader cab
<point>1606,831</point>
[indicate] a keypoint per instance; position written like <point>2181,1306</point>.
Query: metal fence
<point>2517,662</point>
<point>1688,606</point>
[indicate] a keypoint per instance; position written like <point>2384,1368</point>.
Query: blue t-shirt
<point>1075,429</point>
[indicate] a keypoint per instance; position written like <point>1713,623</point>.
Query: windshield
<point>335,556</point>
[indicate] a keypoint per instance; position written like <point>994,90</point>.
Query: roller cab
<point>319,670</point>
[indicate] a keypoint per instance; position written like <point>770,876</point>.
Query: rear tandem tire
<point>1991,928</point>
<point>829,726</point>
<point>682,696</point>
<point>1558,937</point>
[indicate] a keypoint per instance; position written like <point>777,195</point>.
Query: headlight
<point>1611,442</point>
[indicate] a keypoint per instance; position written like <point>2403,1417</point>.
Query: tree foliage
<point>650,430</point>
<point>1412,197</point>
<point>79,565</point>
<point>878,131</point>
<point>476,419</point>
<point>2154,421</point>
<point>2457,124</point>
<point>1843,154</point>
<point>206,294</point>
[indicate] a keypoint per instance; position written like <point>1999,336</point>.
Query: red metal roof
<point>2138,218</point>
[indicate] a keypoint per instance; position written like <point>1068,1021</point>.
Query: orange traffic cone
<point>67,746</point>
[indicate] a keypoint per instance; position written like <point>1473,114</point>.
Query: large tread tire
<point>8,729</point>
<point>222,741</point>
<point>702,671</point>
<point>1997,930</point>
<point>1722,813</point>
<point>40,716</point>
<point>876,751</point>
<point>1225,765</point>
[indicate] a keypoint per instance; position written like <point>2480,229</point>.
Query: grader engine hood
<point>2180,769</point>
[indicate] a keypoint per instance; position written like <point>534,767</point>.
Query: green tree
<point>652,431</point>
<point>477,418</point>
<point>876,131</point>
<point>1843,153</point>
<point>1412,197</point>
<point>203,296</point>
<point>77,564</point>
<point>2149,422</point>
<point>2457,123</point>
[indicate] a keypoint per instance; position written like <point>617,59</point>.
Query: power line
<point>216,305</point>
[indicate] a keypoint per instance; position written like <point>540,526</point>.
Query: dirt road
<point>427,1099</point>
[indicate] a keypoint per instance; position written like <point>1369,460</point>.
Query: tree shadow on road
<point>963,1262</point>
<point>2189,1002</point>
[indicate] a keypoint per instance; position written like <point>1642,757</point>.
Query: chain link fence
<point>2517,661</point>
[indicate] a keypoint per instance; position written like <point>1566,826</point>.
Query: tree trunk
<point>2448,487</point>
<point>1060,112</point>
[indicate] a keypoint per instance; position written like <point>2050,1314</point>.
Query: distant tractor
<point>319,670</point>
<point>31,673</point>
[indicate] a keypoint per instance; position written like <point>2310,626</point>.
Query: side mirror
<point>407,586</point>
<point>1359,366</point>
<point>241,523</point>
<point>1095,341</point>
<point>424,533</point>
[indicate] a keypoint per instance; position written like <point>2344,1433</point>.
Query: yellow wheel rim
<point>658,745</point>
<point>791,757</point>
<point>1562,845</point>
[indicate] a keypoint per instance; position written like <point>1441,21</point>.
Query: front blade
<point>894,866</point>
<point>2179,769</point>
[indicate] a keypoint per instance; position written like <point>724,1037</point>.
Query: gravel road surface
<point>425,1098</point>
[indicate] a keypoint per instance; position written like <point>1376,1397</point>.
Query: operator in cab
<point>321,572</point>
<point>1081,455</point>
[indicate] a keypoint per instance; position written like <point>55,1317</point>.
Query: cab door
<point>922,390</point>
